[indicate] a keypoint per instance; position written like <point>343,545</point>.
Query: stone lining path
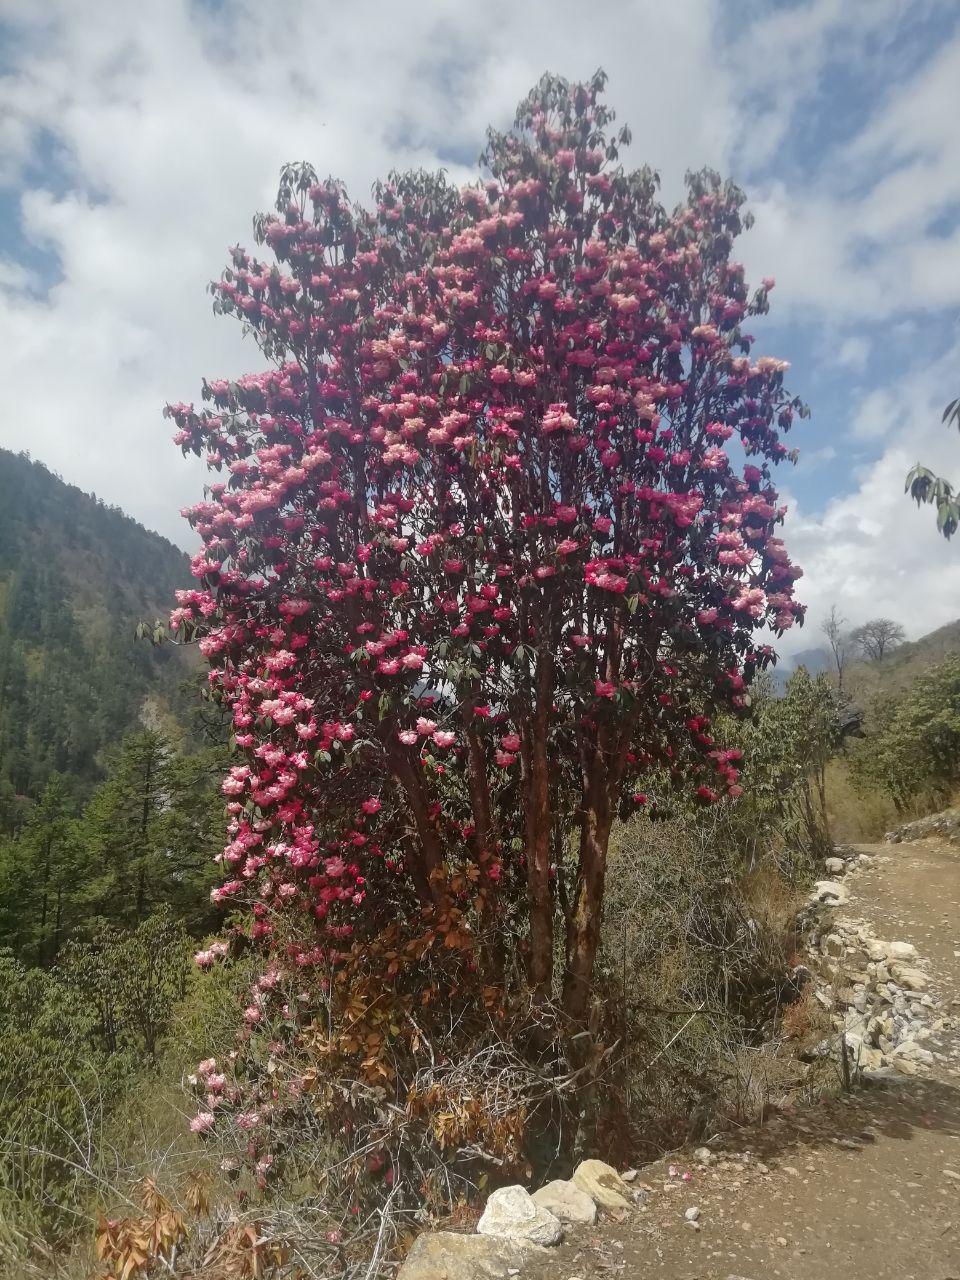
<point>866,1185</point>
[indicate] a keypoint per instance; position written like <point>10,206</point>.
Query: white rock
<point>854,1044</point>
<point>703,1155</point>
<point>602,1184</point>
<point>912,979</point>
<point>567,1202</point>
<point>902,951</point>
<point>692,1214</point>
<point>830,893</point>
<point>446,1255</point>
<point>834,866</point>
<point>511,1211</point>
<point>906,1066</point>
<point>906,1049</point>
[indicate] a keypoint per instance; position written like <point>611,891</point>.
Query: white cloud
<point>819,457</point>
<point>859,237</point>
<point>16,278</point>
<point>786,56</point>
<point>872,551</point>
<point>853,353</point>
<point>876,414</point>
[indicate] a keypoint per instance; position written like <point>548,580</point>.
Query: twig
<point>372,1268</point>
<point>673,1038</point>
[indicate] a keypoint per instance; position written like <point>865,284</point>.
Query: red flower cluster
<point>480,561</point>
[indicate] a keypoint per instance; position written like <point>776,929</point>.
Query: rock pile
<point>516,1226</point>
<point>945,824</point>
<point>876,991</point>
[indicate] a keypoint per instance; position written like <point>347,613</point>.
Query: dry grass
<point>698,952</point>
<point>853,814</point>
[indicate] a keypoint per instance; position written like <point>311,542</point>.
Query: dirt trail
<point>866,1184</point>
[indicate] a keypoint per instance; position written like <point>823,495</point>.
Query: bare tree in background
<point>833,628</point>
<point>875,637</point>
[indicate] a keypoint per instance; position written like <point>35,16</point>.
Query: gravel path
<point>865,1184</point>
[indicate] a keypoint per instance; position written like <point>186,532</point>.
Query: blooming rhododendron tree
<point>493,536</point>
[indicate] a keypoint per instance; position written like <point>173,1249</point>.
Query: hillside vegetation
<point>900,667</point>
<point>75,577</point>
<point>893,673</point>
<point>902,715</point>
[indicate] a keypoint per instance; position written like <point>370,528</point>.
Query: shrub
<point>912,748</point>
<point>697,966</point>
<point>787,745</point>
<point>73,1040</point>
<point>480,572</point>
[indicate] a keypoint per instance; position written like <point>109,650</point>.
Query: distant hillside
<point>75,577</point>
<point>901,666</point>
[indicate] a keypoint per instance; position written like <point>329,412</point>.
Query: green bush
<point>912,747</point>
<point>74,1042</point>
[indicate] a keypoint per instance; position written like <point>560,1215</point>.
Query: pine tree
<point>152,829</point>
<point>42,878</point>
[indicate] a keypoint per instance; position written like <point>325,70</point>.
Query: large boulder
<point>511,1211</point>
<point>567,1202</point>
<point>603,1185</point>
<point>444,1255</point>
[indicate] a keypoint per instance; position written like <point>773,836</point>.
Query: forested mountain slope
<point>75,577</point>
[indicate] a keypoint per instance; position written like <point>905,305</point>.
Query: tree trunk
<point>538,831</point>
<point>425,871</point>
<point>583,929</point>
<point>484,843</point>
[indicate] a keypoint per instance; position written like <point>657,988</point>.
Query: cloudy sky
<point>137,140</point>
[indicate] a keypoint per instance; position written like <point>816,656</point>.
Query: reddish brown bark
<point>538,830</point>
<point>477,781</point>
<point>426,868</point>
<point>583,925</point>
<point>603,775</point>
